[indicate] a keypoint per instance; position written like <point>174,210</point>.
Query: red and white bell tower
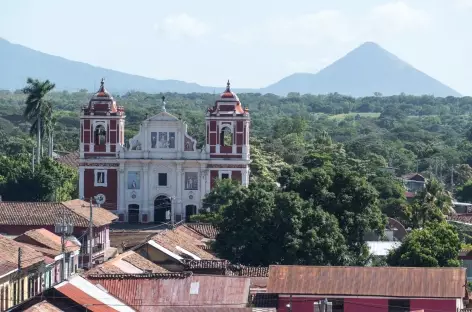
<point>227,138</point>
<point>102,126</point>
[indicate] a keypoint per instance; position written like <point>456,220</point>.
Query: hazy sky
<point>254,43</point>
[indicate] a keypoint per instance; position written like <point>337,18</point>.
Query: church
<point>160,175</point>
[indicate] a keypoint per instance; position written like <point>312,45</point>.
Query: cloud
<point>464,4</point>
<point>181,26</point>
<point>333,26</point>
<point>398,17</point>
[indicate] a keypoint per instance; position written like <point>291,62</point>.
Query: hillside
<point>363,71</point>
<point>18,62</point>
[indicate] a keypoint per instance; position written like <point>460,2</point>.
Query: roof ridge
<point>175,275</point>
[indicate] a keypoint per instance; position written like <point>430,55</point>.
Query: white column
<point>245,177</point>
<point>145,190</point>
<point>178,201</point>
<point>81,182</point>
<point>145,145</point>
<point>207,181</point>
<point>121,184</point>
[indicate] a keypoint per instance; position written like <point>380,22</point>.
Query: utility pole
<point>452,178</point>
<point>90,234</point>
<point>63,228</point>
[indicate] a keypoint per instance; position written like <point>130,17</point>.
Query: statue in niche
<point>191,181</point>
<point>153,139</point>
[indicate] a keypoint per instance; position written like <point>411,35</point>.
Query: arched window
<point>226,137</point>
<point>100,135</point>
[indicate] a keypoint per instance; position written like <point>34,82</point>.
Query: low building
<point>77,294</point>
<point>413,182</point>
<point>155,292</point>
<point>17,218</point>
<point>128,262</point>
<point>368,289</point>
<point>170,248</point>
<point>23,272</point>
<point>50,245</point>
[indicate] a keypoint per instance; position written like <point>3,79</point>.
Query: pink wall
<point>433,305</point>
<point>299,304</point>
<point>365,305</point>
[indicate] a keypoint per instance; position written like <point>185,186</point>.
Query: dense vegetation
<point>319,183</point>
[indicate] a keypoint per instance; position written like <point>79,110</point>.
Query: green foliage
<point>50,181</point>
<point>436,245</point>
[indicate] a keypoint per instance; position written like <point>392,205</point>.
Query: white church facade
<point>160,176</point>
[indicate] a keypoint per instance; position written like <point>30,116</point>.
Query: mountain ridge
<point>360,72</point>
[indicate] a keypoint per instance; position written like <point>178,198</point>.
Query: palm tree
<point>38,110</point>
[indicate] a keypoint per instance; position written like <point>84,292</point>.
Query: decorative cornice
<point>226,166</point>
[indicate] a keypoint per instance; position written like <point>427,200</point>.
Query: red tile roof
<point>466,217</point>
<point>7,267</point>
<point>131,257</point>
<point>170,239</point>
<point>147,294</point>
<point>47,239</point>
<point>367,281</point>
<point>9,252</point>
<point>205,229</point>
<point>43,306</point>
<point>47,213</point>
<point>83,299</point>
<point>70,159</point>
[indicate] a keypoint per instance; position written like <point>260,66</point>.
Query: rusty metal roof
<point>83,299</point>
<point>150,294</point>
<point>368,281</point>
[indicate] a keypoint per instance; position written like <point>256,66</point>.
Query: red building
<point>368,289</point>
<point>159,175</point>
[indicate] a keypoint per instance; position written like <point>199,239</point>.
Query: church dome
<point>228,94</point>
<point>102,93</point>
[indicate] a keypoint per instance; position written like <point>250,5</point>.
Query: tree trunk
<point>51,145</point>
<point>38,154</point>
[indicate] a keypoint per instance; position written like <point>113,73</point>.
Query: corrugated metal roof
<point>368,281</point>
<point>83,299</point>
<point>382,248</point>
<point>150,294</point>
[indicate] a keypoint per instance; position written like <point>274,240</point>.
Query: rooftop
<point>128,262</point>
<point>204,229</point>
<point>70,159</point>
<point>50,213</point>
<point>47,239</point>
<point>197,290</point>
<point>368,281</point>
<point>9,252</point>
<point>43,306</point>
<point>182,244</point>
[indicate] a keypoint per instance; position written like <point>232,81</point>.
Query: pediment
<point>163,116</point>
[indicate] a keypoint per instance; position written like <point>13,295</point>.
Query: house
<point>17,218</point>
<point>154,292</point>
<point>50,245</point>
<point>76,294</point>
<point>160,176</point>
<point>22,272</point>
<point>367,289</point>
<point>128,262</point>
<point>170,248</point>
<point>413,182</point>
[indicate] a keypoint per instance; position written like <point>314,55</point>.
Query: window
<point>162,179</point>
<point>226,137</point>
<point>225,175</point>
<point>100,178</point>
<point>163,140</point>
<point>100,135</point>
<point>396,305</point>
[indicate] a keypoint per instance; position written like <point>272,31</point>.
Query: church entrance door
<point>190,210</point>
<point>133,213</point>
<point>162,209</point>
